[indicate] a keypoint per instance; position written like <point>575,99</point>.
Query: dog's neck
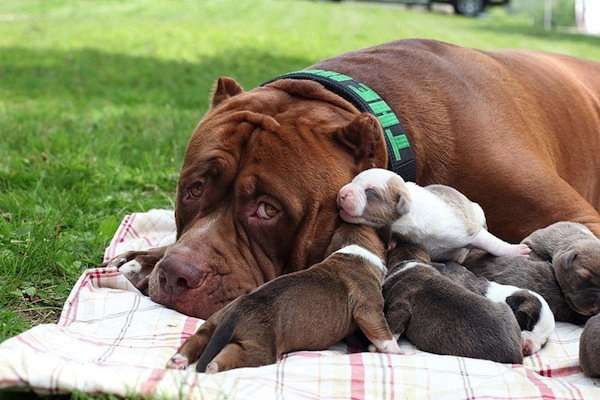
<point>360,235</point>
<point>403,253</point>
<point>361,241</point>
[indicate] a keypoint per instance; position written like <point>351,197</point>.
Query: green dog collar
<point>402,159</point>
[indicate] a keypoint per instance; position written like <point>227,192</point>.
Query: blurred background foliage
<point>563,11</point>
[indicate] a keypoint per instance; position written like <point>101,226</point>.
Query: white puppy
<point>438,217</point>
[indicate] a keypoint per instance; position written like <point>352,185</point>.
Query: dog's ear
<point>225,88</point>
<point>363,138</point>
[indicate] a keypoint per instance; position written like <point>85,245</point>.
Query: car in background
<point>470,8</point>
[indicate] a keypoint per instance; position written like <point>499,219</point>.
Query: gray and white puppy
<point>532,312</point>
<point>440,316</point>
<point>438,217</point>
<point>564,268</point>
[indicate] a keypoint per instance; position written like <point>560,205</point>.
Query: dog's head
<point>375,197</point>
<point>257,190</point>
<point>534,317</point>
<point>577,271</point>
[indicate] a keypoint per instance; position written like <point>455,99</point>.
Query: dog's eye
<point>196,190</point>
<point>371,194</point>
<point>266,210</point>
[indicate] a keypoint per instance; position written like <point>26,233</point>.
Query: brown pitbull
<point>517,132</point>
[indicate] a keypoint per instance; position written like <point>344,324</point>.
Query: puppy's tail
<point>221,337</point>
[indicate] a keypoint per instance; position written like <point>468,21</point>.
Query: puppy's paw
<point>212,368</point>
<point>530,343</point>
<point>524,250</point>
<point>178,361</point>
<point>527,347</point>
<point>388,346</point>
<point>517,250</point>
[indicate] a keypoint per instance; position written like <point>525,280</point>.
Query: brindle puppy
<point>305,310</point>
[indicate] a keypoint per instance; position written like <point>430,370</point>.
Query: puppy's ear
<point>225,88</point>
<point>401,195</point>
<point>564,260</point>
<point>363,138</point>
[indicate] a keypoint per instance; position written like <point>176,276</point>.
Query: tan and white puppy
<point>437,217</point>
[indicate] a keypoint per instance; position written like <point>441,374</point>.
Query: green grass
<point>98,99</point>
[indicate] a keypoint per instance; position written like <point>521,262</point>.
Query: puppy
<point>558,237</point>
<point>575,255</point>
<point>438,217</point>
<point>532,312</point>
<point>589,343</point>
<point>305,310</point>
<point>440,316</point>
<point>564,268</point>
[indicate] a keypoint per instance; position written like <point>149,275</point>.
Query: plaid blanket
<point>112,339</point>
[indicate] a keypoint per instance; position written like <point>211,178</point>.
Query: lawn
<point>98,99</point>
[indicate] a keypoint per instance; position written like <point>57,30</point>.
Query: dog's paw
<point>121,259</point>
<point>178,361</point>
<point>146,258</point>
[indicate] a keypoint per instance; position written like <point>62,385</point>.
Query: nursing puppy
<point>306,310</point>
<point>443,317</point>
<point>438,217</point>
<point>564,268</point>
<point>575,255</point>
<point>532,312</point>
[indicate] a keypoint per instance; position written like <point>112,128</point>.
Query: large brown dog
<point>518,132</point>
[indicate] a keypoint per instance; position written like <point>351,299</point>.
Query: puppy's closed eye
<point>372,194</point>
